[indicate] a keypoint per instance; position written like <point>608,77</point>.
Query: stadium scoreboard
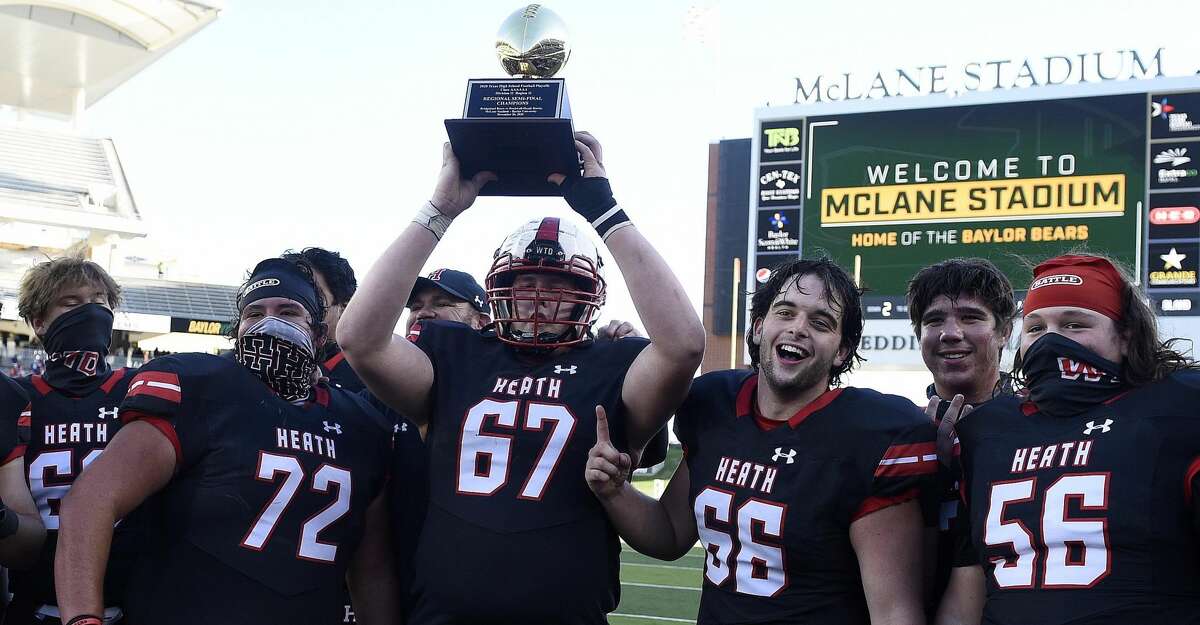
<point>888,187</point>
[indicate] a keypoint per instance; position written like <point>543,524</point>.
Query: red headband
<point>1087,282</point>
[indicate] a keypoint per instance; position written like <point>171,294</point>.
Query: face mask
<point>1066,378</point>
<point>281,354</point>
<point>77,349</point>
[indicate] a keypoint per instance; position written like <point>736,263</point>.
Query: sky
<point>292,123</point>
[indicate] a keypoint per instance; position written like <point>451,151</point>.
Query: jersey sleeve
<point>163,395</point>
<point>964,549</point>
<point>656,449</point>
<point>905,471</point>
<point>14,421</point>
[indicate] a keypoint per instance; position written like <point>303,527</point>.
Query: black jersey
<point>949,514</point>
<point>339,372</point>
<point>513,533</point>
<point>1089,518</point>
<point>409,500</point>
<point>66,434</point>
<point>774,501</point>
<point>15,412</point>
<point>268,501</point>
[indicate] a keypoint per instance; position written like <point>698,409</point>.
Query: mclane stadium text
<point>1028,198</point>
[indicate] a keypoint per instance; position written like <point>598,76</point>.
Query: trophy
<point>520,127</point>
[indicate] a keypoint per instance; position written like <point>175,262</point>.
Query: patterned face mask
<point>281,354</point>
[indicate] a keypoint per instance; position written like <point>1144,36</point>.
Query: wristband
<point>85,619</point>
<point>8,522</point>
<point>592,198</point>
<point>432,219</point>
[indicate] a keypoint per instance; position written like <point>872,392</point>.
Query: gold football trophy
<point>520,127</point>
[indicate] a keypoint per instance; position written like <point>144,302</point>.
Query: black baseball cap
<point>460,284</point>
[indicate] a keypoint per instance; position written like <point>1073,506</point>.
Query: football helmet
<point>545,246</point>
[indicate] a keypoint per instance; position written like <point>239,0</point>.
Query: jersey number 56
<point>1073,551</point>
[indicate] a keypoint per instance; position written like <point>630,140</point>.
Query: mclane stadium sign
<point>1055,69</point>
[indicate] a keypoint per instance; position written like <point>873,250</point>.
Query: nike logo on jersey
<point>549,388</point>
<point>1068,454</point>
<point>790,455</point>
<point>336,427</point>
<point>1092,426</point>
<point>296,440</point>
<point>747,474</point>
<point>65,433</point>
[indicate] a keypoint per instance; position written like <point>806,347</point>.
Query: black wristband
<point>8,522</point>
<point>592,198</point>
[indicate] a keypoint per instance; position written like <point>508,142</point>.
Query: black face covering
<point>77,349</point>
<point>1066,378</point>
<point>280,353</point>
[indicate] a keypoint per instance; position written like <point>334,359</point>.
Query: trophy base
<point>522,152</point>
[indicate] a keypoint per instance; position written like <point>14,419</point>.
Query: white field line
<point>653,618</point>
<point>659,566</point>
<point>639,584</point>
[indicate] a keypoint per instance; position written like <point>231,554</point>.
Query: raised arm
<point>22,525</point>
<point>138,462</point>
<point>394,369</point>
<point>660,376</point>
<point>663,528</point>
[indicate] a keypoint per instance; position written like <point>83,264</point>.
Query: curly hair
<point>841,292</point>
<point>336,271</point>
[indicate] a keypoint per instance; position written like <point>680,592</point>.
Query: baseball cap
<point>460,284</point>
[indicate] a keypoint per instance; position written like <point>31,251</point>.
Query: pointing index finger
<point>602,435</point>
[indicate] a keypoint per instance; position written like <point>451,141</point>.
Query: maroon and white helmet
<point>551,246</point>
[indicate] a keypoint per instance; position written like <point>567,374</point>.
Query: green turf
<point>641,604</point>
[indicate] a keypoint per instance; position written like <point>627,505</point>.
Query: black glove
<point>593,199</point>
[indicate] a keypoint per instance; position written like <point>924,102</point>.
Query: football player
<point>268,482</point>
<point>21,530</point>
<point>336,284</point>
<point>803,494</point>
<point>72,416</point>
<point>450,295</point>
<point>1082,500</point>
<point>512,534</point>
<point>962,311</point>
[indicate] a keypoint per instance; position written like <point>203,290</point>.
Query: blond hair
<point>44,281</point>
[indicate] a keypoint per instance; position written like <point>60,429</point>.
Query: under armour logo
<point>108,413</point>
<point>559,369</point>
<point>790,455</point>
<point>336,427</point>
<point>1103,427</point>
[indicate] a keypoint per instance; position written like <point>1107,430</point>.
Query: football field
<point>655,592</point>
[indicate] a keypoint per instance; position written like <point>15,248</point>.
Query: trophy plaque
<point>520,127</point>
